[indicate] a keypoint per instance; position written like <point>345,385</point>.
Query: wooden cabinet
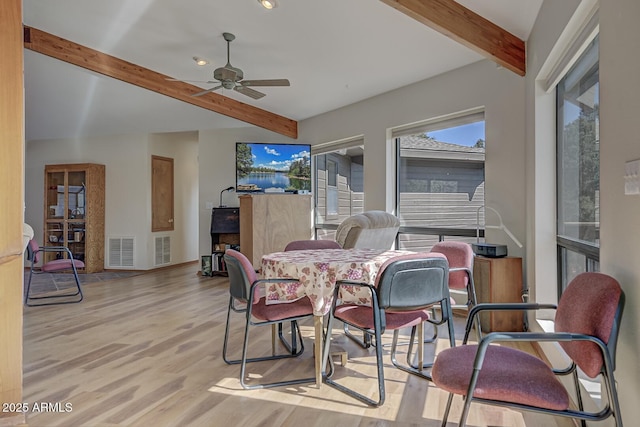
<point>74,207</point>
<point>225,230</point>
<point>269,221</point>
<point>499,280</point>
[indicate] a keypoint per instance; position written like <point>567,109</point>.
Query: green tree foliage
<point>581,173</point>
<point>244,160</point>
<point>479,143</point>
<point>300,168</point>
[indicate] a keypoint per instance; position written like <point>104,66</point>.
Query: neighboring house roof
<point>416,146</point>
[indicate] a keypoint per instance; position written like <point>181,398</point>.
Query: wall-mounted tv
<point>265,167</point>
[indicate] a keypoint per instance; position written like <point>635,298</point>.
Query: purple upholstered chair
<point>245,297</point>
<point>586,326</point>
<point>460,257</point>
<point>61,264</point>
<point>405,289</point>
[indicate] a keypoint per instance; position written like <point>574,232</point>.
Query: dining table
<point>317,271</point>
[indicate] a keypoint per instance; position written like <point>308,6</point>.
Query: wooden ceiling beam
<point>85,57</point>
<point>468,28</point>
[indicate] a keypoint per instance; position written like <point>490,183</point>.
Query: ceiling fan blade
<point>272,82</point>
<point>249,92</point>
<point>204,92</point>
<point>191,81</point>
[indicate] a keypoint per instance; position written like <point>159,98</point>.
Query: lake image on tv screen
<point>261,167</point>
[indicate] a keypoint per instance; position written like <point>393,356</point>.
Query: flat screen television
<point>265,167</point>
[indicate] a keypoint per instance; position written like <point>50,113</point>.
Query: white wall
<point>541,151</point>
<point>127,160</point>
<point>619,224</point>
<point>481,84</point>
<point>620,214</point>
<point>182,147</point>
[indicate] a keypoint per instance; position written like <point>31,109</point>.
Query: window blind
<point>331,147</point>
<point>439,123</point>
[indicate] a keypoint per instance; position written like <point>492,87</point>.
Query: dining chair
<point>460,258</point>
<point>245,297</point>
<point>65,262</point>
<point>405,288</point>
<point>374,229</point>
<point>587,323</point>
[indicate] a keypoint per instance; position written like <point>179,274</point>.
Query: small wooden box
<point>499,280</point>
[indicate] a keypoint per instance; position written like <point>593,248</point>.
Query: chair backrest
<point>591,304</point>
<point>459,255</point>
<point>241,275</point>
<point>32,251</point>
<point>298,245</point>
<point>413,281</point>
<point>368,230</point>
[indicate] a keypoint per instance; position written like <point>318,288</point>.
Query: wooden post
<point>12,212</point>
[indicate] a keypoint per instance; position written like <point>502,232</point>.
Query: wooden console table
<point>499,280</point>
<point>269,221</point>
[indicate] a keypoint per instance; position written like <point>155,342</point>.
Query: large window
<point>440,189</point>
<point>578,174</point>
<point>339,189</point>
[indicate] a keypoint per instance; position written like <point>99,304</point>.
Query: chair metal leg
<point>379,362</point>
<point>446,410</point>
<point>245,360</point>
<point>292,349</point>
<point>465,412</point>
<point>418,367</point>
<point>380,371</point>
<point>365,342</point>
<point>576,384</point>
<point>414,368</point>
<point>27,296</point>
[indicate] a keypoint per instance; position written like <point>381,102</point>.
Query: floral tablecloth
<point>317,272</point>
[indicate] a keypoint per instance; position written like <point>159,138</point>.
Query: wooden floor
<point>146,351</point>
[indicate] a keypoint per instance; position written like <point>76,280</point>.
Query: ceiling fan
<point>231,78</point>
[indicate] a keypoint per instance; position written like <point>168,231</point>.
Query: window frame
<point>439,123</point>
<point>566,244</point>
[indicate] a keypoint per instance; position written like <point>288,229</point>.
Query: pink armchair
<point>586,326</point>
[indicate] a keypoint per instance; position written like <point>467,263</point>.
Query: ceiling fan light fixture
<point>200,61</point>
<point>268,4</point>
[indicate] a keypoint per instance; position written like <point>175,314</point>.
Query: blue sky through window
<point>466,135</point>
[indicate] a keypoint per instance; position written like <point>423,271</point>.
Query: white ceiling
<point>334,52</point>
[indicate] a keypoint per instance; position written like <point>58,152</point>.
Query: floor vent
<point>121,250</point>
<point>163,250</point>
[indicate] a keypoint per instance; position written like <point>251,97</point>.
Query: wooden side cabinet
<point>74,206</point>
<point>269,221</point>
<point>225,230</point>
<point>499,280</point>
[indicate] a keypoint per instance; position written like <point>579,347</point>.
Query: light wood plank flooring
<point>146,351</point>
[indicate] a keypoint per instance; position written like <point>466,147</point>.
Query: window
<point>332,188</point>
<point>339,189</point>
<point>440,182</point>
<point>578,168</point>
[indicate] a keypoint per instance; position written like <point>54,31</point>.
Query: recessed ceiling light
<point>268,4</point>
<point>200,61</point>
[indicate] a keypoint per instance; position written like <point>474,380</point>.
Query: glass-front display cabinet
<point>74,212</point>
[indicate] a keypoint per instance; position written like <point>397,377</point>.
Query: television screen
<point>272,167</point>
